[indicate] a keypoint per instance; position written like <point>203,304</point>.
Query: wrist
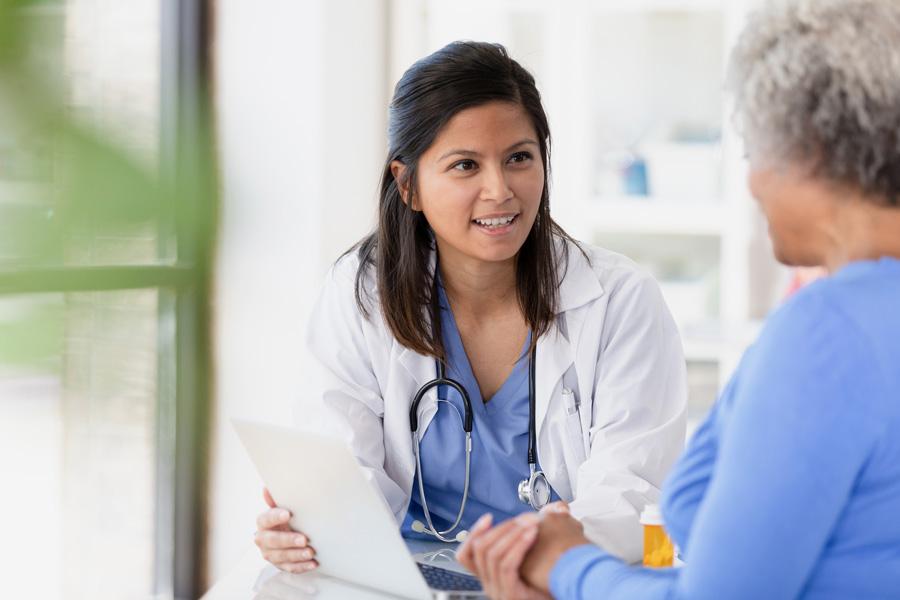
<point>541,575</point>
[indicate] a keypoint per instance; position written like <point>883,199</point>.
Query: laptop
<point>344,515</point>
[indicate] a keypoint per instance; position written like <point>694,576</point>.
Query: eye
<point>520,157</point>
<point>464,165</point>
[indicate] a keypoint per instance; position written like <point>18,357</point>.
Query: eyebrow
<point>527,141</point>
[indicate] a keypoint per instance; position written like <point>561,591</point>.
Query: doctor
<point>478,359</point>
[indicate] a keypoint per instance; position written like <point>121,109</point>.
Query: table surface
<point>255,579</point>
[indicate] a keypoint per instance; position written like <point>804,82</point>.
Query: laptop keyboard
<point>449,581</point>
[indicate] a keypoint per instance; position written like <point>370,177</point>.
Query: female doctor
<point>478,359</point>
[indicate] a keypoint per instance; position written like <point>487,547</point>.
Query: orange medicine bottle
<point>658,548</point>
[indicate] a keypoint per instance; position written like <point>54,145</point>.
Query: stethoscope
<point>534,491</point>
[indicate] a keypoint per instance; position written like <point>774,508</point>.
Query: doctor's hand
<point>285,548</point>
<point>495,556</point>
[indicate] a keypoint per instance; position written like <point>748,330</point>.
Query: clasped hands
<point>514,559</point>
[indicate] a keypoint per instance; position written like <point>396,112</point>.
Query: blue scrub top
<point>499,443</point>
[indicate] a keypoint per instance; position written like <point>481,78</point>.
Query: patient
<point>791,488</point>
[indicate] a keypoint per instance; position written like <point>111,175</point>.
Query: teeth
<point>495,222</point>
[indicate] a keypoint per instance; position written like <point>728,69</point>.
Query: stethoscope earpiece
<point>419,527</point>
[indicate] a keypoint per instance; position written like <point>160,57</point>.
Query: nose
<point>495,186</point>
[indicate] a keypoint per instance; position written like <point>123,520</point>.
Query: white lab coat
<point>614,345</point>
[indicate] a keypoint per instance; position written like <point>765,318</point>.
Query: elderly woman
<point>791,488</point>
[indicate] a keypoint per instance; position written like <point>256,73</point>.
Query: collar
<point>580,283</point>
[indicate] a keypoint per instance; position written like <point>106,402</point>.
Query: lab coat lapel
<point>579,286</point>
<point>554,356</point>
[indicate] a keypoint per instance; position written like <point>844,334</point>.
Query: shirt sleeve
<point>350,406</point>
<point>800,429</point>
<point>581,571</point>
<point>686,485</point>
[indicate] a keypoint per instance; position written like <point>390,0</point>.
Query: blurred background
<point>177,176</point>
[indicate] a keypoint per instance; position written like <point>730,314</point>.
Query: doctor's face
<point>480,182</point>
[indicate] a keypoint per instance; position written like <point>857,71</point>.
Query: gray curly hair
<point>818,82</point>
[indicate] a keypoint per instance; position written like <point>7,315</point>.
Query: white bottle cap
<point>651,515</point>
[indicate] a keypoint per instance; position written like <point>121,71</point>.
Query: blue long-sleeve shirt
<point>791,487</point>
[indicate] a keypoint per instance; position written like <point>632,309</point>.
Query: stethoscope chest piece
<point>535,491</point>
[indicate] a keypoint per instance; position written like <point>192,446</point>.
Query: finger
<point>489,549</point>
<point>290,555</point>
<point>508,578</point>
<point>298,567</point>
<point>482,546</point>
<point>278,540</point>
<point>495,555</point>
<point>274,517</point>
<point>268,498</point>
<point>560,506</point>
<point>464,554</point>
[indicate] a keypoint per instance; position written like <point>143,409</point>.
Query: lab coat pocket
<point>574,434</point>
<point>562,448</point>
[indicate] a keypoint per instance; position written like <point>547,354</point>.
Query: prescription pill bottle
<point>658,548</point>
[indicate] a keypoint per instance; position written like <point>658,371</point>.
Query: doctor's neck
<point>478,286</point>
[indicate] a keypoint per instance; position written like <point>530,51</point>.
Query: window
<point>106,221</point>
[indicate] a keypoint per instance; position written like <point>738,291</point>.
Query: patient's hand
<point>285,548</point>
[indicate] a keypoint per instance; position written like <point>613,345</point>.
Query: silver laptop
<point>345,517</point>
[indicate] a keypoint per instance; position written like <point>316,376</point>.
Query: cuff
<point>571,569</point>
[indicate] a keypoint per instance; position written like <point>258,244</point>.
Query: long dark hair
<point>458,76</point>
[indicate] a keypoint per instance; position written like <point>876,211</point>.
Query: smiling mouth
<point>496,222</point>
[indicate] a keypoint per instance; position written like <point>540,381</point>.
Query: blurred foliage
<point>65,187</point>
<point>31,331</point>
<point>95,188</point>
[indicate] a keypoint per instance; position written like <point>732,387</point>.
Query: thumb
<point>268,498</point>
<point>560,506</point>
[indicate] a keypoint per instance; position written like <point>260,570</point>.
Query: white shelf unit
<point>650,215</point>
<point>638,84</point>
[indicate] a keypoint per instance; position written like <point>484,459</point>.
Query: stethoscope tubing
<point>468,425</point>
<point>468,420</point>
<point>465,495</point>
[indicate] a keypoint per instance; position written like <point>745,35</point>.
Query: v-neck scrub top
<point>499,443</point>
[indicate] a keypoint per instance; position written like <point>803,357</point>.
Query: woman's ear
<point>398,170</point>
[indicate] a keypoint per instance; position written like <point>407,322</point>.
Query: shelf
<point>708,341</point>
<point>597,7</point>
<point>647,6</point>
<point>646,215</point>
<point>611,6</point>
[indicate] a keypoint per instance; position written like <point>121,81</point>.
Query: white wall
<point>301,99</point>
